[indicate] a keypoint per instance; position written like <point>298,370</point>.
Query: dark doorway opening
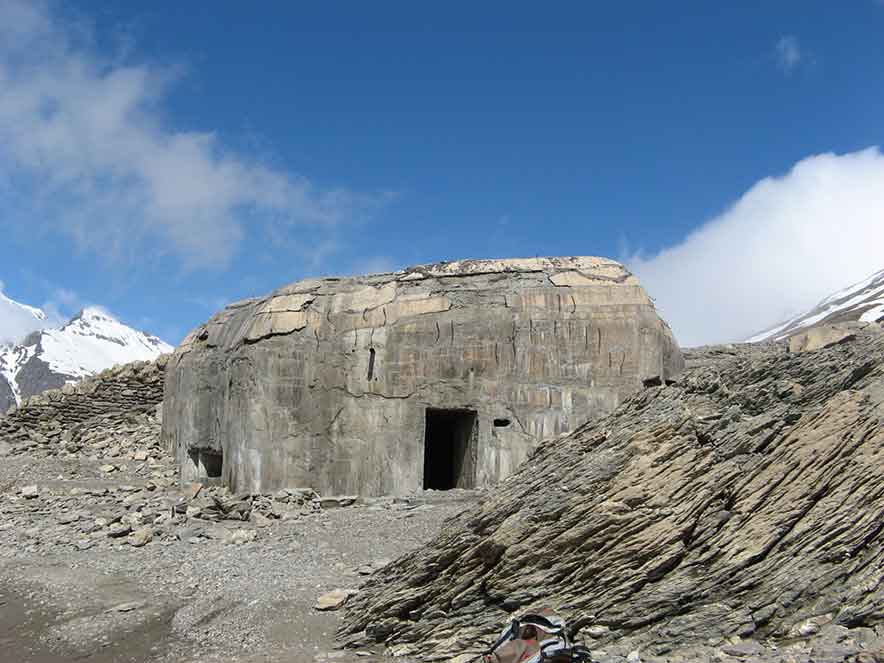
<point>207,465</point>
<point>212,464</point>
<point>450,451</point>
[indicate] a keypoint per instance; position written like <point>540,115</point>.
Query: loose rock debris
<point>193,572</point>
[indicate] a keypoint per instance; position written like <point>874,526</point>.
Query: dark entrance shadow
<point>450,449</point>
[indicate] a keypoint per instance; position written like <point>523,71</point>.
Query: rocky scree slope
<point>746,501</point>
<point>860,302</point>
<point>90,342</point>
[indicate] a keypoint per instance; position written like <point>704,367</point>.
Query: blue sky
<point>162,159</point>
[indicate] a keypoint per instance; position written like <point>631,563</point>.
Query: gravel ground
<point>70,591</point>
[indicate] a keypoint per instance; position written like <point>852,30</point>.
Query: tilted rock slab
<point>743,501</point>
<point>327,383</point>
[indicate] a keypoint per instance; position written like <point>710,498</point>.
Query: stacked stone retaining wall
<point>135,387</point>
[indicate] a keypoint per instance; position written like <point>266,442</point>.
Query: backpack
<point>539,637</point>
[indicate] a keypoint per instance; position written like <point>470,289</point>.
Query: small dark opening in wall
<point>212,464</point>
<point>370,363</point>
<point>501,423</point>
<point>450,450</point>
<point>654,381</point>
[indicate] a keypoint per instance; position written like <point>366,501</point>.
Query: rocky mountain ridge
<point>91,341</point>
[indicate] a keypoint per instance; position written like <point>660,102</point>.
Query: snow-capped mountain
<point>90,342</point>
<point>863,302</point>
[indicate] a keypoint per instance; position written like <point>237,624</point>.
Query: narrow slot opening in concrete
<point>501,423</point>
<point>370,363</point>
<point>450,441</point>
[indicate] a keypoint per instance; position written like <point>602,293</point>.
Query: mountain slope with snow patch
<point>18,320</point>
<point>860,302</point>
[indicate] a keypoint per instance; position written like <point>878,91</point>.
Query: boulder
<point>334,600</point>
<point>336,501</point>
<point>118,530</point>
<point>242,536</point>
<point>140,537</point>
<point>822,336</point>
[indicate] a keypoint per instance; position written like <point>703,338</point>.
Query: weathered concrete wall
<point>326,383</point>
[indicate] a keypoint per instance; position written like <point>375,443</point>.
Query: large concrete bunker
<point>439,376</point>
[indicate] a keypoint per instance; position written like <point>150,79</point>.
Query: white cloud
<point>789,53</point>
<point>784,245</point>
<point>106,168</point>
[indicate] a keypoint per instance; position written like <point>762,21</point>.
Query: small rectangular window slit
<point>370,364</point>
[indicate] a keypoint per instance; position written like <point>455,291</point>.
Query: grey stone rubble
<point>204,590</point>
<point>735,515</point>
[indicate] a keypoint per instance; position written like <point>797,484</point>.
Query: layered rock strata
<point>744,504</point>
<point>438,376</point>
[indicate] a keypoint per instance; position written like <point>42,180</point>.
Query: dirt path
<point>27,636</point>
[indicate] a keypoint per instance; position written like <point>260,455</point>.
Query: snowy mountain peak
<point>12,305</point>
<point>94,340</point>
<point>94,313</point>
<point>862,302</point>
<point>88,343</point>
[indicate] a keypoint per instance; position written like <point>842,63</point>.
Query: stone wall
<point>135,387</point>
<point>438,376</point>
<point>7,398</point>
